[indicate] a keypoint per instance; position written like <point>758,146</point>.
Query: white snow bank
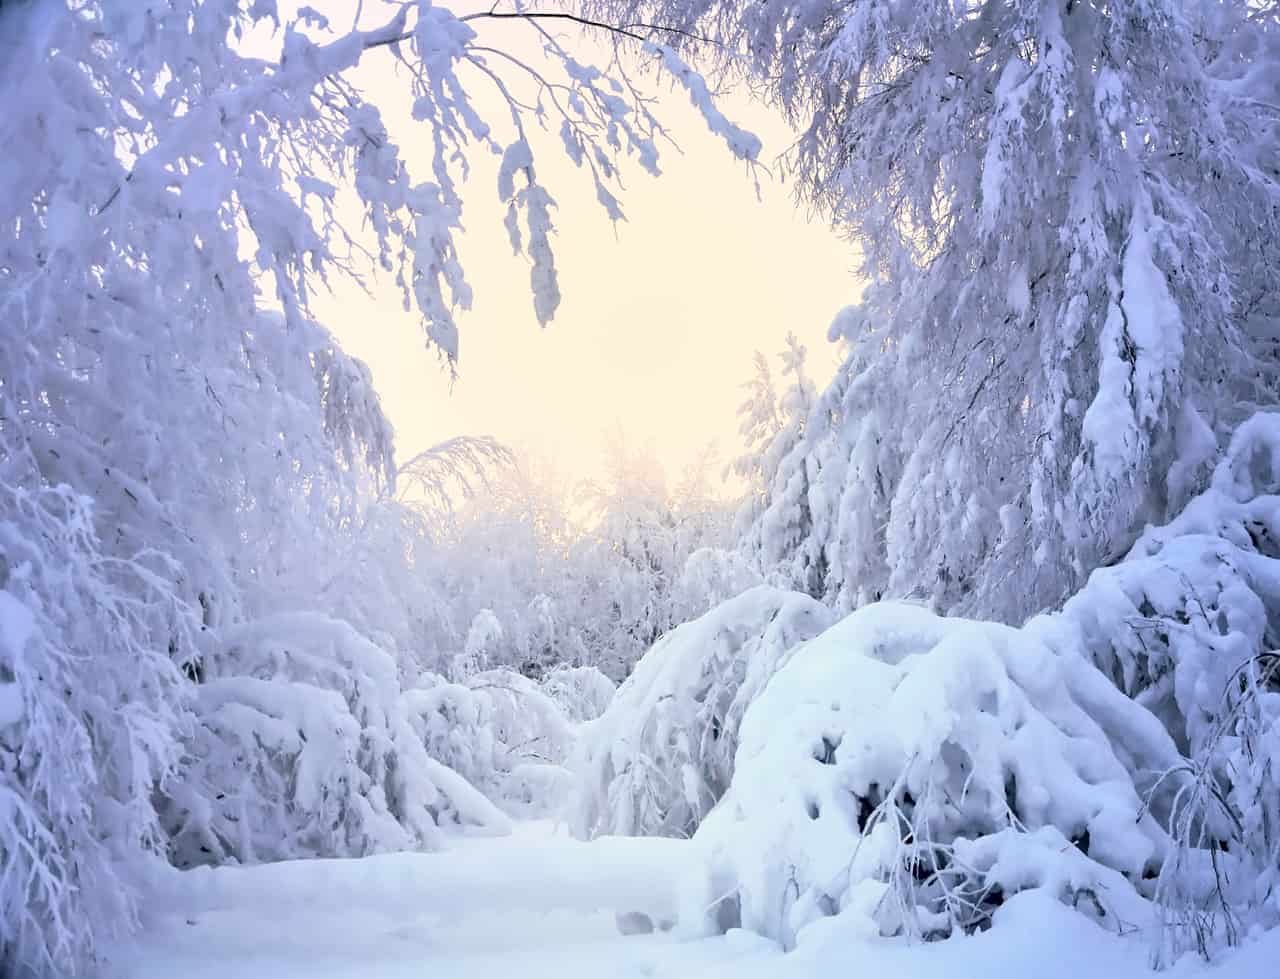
<point>1034,935</point>
<point>661,755</point>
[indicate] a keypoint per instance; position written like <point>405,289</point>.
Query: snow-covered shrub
<point>583,693</point>
<point>500,731</point>
<point>919,771</point>
<point>662,754</point>
<point>712,575</point>
<point>304,747</point>
<point>88,718</point>
<point>1189,627</point>
<point>483,637</point>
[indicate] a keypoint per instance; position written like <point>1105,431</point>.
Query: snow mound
<point>919,771</point>
<point>662,754</point>
<point>304,747</point>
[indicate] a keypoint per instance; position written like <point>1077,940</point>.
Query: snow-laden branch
<point>428,270</point>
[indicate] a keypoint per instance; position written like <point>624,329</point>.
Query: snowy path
<point>534,869</point>
<point>540,906</point>
<point>534,905</point>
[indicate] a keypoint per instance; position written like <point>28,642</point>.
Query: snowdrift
<point>661,755</point>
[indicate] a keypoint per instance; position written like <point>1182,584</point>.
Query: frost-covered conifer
<point>776,521</point>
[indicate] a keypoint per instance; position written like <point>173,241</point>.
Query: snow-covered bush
<point>501,731</point>
<point>1188,625</point>
<point>304,747</point>
<point>919,771</point>
<point>88,725</point>
<point>662,754</point>
<point>583,693</point>
<point>484,637</point>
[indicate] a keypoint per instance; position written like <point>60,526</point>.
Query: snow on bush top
<point>921,769</point>
<point>583,693</point>
<point>661,755</point>
<point>1197,600</point>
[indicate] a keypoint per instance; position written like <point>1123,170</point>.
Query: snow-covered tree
<point>88,715</point>
<point>1067,212</point>
<point>640,535</point>
<point>776,522</point>
<point>506,551</point>
<point>1187,626</point>
<point>582,575</point>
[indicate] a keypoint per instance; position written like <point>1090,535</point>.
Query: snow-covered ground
<point>539,905</point>
<point>537,902</point>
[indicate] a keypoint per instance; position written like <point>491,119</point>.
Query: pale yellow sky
<point>659,317</point>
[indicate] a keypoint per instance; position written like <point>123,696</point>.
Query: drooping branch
<point>344,53</point>
<point>623,30</point>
